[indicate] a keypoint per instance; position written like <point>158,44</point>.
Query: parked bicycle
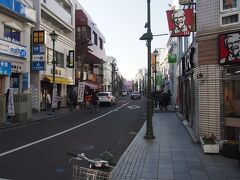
<point>98,169</point>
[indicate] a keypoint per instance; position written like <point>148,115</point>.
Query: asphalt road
<point>38,150</point>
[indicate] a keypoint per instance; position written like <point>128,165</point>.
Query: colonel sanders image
<point>179,19</point>
<point>232,44</point>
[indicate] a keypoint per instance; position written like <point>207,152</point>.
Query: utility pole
<point>148,37</point>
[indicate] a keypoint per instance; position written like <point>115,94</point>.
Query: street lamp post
<point>155,53</point>
<point>54,37</point>
<point>148,37</point>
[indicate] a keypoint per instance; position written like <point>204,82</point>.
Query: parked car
<point>106,98</point>
<point>124,93</point>
<point>135,95</point>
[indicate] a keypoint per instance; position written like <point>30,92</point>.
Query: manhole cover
<point>83,147</point>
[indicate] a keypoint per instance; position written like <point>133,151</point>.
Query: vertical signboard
<point>70,59</point>
<point>38,51</point>
<point>81,88</point>
<point>54,96</point>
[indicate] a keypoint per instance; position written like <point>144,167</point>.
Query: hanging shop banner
<point>185,2</point>
<point>54,96</point>
<point>229,48</point>
<point>39,37</point>
<point>5,68</point>
<point>81,88</point>
<point>70,63</point>
<point>180,22</point>
<point>10,103</point>
<point>12,49</point>
<point>172,58</point>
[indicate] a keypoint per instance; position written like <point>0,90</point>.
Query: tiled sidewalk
<point>172,155</point>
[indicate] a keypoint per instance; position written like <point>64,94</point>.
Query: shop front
<point>229,58</point>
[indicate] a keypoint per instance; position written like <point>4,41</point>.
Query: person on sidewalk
<point>70,101</point>
<point>49,101</point>
<point>94,102</point>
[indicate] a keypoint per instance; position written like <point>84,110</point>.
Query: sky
<point>122,24</point>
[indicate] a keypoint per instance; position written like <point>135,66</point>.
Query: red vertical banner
<point>229,48</point>
<point>180,22</point>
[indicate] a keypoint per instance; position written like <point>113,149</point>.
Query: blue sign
<point>5,68</point>
<point>38,49</point>
<point>38,65</point>
<point>25,81</point>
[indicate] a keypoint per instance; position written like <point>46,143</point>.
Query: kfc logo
<point>229,48</point>
<point>180,22</point>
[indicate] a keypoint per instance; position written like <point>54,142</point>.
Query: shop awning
<point>91,85</point>
<point>60,80</point>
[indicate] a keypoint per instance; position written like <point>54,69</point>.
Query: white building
<point>16,23</point>
<point>107,73</point>
<point>58,16</point>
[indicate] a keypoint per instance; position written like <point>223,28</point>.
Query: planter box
<point>210,148</point>
<point>231,150</point>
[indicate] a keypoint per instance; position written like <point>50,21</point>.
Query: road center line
<point>58,134</point>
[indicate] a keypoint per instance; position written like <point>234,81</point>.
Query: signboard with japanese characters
<point>9,48</point>
<point>71,59</point>
<point>180,22</point>
<point>81,88</point>
<point>38,37</point>
<point>38,66</point>
<point>229,48</point>
<point>5,68</point>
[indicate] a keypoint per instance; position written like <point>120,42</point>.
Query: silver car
<point>106,98</point>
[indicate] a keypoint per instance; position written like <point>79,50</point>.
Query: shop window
<point>11,35</point>
<point>232,94</point>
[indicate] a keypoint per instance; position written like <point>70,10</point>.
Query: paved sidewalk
<point>172,155</point>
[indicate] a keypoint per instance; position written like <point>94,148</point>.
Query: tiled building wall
<point>207,16</point>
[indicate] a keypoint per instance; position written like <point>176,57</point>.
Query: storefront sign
<point>54,96</point>
<point>81,88</point>
<point>19,8</point>
<point>38,66</point>
<point>5,68</point>
<point>172,58</point>
<point>229,48</point>
<point>38,49</point>
<point>25,81</point>
<point>180,22</point>
<point>39,37</point>
<point>12,49</point>
<point>71,59</point>
<point>38,58</point>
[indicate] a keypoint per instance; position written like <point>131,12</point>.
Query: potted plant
<point>210,144</point>
<point>231,149</point>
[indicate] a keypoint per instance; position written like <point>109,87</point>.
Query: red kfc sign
<point>229,48</point>
<point>180,22</point>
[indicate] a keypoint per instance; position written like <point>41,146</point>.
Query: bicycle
<point>98,169</point>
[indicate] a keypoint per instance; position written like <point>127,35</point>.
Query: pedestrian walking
<point>165,101</point>
<point>70,100</point>
<point>94,102</point>
<point>49,101</point>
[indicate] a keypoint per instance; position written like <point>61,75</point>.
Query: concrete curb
<point>188,128</point>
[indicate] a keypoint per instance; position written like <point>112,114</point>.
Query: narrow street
<point>38,150</point>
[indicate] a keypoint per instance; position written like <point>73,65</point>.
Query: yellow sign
<point>38,37</point>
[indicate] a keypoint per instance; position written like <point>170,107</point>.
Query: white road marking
<point>58,134</point>
<point>134,107</point>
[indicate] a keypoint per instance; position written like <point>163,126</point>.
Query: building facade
<point>57,16</point>
<point>16,23</point>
